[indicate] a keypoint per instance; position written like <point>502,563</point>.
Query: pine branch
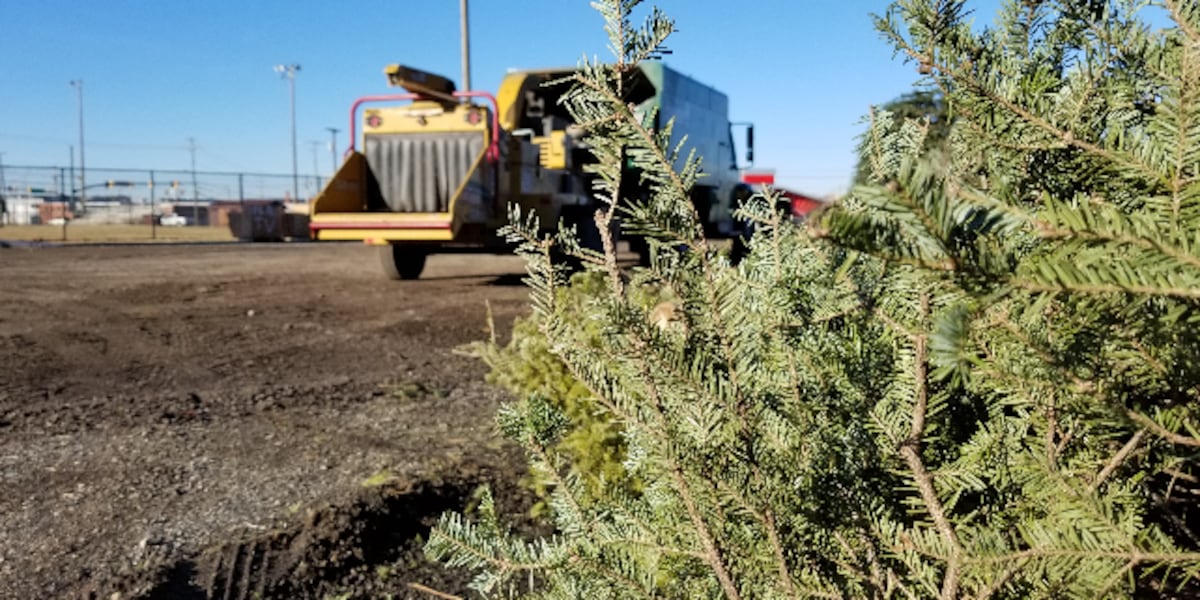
<point>664,165</point>
<point>578,514</point>
<point>1185,147</point>
<point>766,518</point>
<point>1105,288</point>
<point>604,221</point>
<point>1134,556</point>
<point>910,450</point>
<point>1051,232</point>
<point>1065,137</point>
<point>874,579</point>
<point>712,552</point>
<point>1052,449</point>
<point>628,585</point>
<point>1176,8</point>
<point>1118,459</point>
<point>1005,577</point>
<point>1162,432</point>
<point>500,564</point>
<point>424,589</point>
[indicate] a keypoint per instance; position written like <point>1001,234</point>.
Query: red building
<point>801,204</point>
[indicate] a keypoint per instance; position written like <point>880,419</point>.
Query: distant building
<point>53,210</point>
<point>22,210</point>
<point>800,203</point>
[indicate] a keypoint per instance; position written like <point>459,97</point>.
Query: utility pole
<point>289,72</point>
<point>333,131</point>
<point>195,188</point>
<point>466,46</point>
<point>78,85</point>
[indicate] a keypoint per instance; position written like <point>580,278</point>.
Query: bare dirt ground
<point>239,421</point>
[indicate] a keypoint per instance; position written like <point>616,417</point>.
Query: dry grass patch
<point>114,233</point>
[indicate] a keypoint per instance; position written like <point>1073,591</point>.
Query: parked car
<point>172,220</point>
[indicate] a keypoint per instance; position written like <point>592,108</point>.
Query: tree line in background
<point>974,376</point>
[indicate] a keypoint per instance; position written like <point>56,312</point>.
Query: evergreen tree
<point>975,378</point>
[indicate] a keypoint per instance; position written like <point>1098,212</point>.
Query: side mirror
<point>750,144</point>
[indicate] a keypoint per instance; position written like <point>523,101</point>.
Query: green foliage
<point>921,109</point>
<point>977,378</point>
<point>527,367</point>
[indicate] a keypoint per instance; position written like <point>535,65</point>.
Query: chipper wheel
<point>402,262</point>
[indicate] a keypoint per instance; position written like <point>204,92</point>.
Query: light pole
<point>78,85</point>
<point>333,131</point>
<point>464,21</point>
<point>289,72</point>
<point>316,168</point>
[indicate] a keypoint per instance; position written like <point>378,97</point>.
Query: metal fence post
<point>242,205</point>
<point>153,219</point>
<point>64,198</point>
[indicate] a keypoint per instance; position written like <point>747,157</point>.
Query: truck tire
<point>402,262</point>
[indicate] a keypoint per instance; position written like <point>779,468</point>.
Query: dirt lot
<point>239,421</point>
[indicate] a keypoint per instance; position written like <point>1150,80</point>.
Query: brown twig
<point>1119,458</point>
<point>712,552</point>
<point>432,592</point>
<point>1161,431</point>
<point>910,450</point>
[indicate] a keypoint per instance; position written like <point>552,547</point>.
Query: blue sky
<point>159,72</point>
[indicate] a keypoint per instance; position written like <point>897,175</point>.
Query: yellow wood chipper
<point>436,169</point>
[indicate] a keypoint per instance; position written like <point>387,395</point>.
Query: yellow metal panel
<point>385,218</point>
<point>460,210</point>
<point>380,235</point>
<point>384,226</point>
<point>508,99</point>
<point>553,150</point>
<point>425,117</point>
<point>346,192</point>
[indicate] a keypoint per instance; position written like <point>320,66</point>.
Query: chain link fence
<point>153,198</point>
